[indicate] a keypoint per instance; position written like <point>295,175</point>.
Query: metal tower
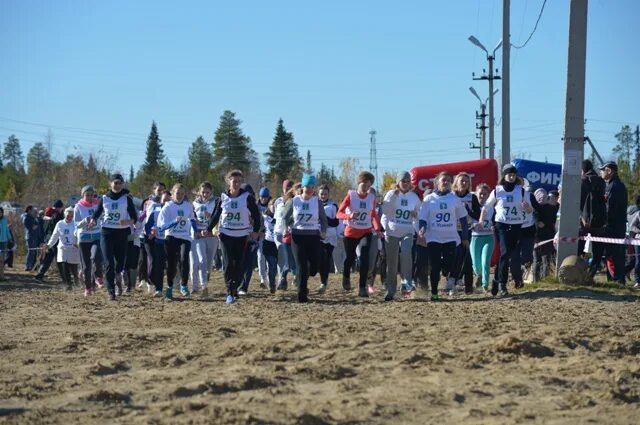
<point>373,158</point>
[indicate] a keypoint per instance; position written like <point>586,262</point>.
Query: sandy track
<point>552,357</point>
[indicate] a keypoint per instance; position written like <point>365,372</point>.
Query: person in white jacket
<point>177,220</point>
<point>400,209</point>
<point>68,251</point>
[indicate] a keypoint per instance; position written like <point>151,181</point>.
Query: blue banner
<point>539,174</point>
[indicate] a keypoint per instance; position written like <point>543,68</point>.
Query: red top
<point>349,231</point>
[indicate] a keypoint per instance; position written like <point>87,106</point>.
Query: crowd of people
<point>446,233</point>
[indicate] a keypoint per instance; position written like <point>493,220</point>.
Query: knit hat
<point>403,175</point>
<point>264,192</point>
<point>308,180</point>
<point>87,188</point>
<point>116,176</point>
<point>58,204</point>
<point>286,185</point>
<point>509,168</point>
<point>68,210</point>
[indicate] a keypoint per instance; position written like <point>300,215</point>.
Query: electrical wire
<point>534,28</point>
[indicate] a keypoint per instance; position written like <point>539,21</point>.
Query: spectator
<point>31,235</point>
<point>615,222</point>
<point>5,239</point>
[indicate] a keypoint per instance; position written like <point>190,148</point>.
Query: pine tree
<point>131,174</point>
<point>283,158</point>
<point>12,154</point>
<point>155,155</point>
<point>200,160</point>
<point>231,148</point>
<point>38,159</point>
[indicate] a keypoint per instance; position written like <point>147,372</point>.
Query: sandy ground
<point>543,357</point>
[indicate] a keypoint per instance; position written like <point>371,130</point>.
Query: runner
<point>177,219</point>
<point>359,208</point>
<point>152,203</point>
<point>90,252</point>
<point>510,203</point>
<point>305,215</point>
<point>263,202</point>
<point>204,244</point>
<point>463,268</point>
<point>331,238</point>
<point>68,253</point>
<point>284,260</point>
<point>119,214</point>
<point>157,254</point>
<point>482,241</point>
<point>440,213</point>
<point>269,249</point>
<point>239,221</point>
<point>400,210</point>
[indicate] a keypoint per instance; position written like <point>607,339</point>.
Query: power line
<point>534,28</point>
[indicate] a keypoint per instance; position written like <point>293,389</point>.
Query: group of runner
<point>447,231</point>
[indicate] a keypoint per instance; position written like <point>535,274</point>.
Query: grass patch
<point>599,287</point>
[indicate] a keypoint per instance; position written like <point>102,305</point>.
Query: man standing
<point>615,222</point>
<point>31,234</point>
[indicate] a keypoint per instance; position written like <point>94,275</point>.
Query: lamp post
<point>481,117</point>
<point>490,57</point>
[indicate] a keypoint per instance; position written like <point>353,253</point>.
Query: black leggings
<point>157,262</point>
<point>114,248</point>
<point>326,262</point>
<point>350,245</point>
<point>177,250</point>
<point>233,249</point>
<point>441,257</point>
<point>508,236</point>
<point>306,252</point>
<point>69,273</point>
<point>91,261</point>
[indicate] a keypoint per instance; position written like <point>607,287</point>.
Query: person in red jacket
<point>359,208</point>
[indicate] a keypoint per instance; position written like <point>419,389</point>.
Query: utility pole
<point>482,126</point>
<point>490,78</point>
<point>637,143</point>
<point>373,157</point>
<point>506,81</point>
<point>573,151</point>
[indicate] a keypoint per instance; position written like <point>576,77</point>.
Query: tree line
<point>39,179</point>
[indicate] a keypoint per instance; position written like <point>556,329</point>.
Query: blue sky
<point>96,73</point>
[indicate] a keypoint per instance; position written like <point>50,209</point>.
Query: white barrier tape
<point>616,241</point>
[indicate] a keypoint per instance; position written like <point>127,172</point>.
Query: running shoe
<point>242,292</point>
<point>142,283</point>
<point>303,297</point>
<point>184,290</point>
<point>282,286</point>
<point>636,286</point>
<point>157,294</point>
<point>150,287</point>
<point>169,293</point>
<point>99,282</point>
<point>230,299</point>
<point>87,292</point>
<point>322,289</point>
<point>388,297</point>
<point>371,289</point>
<point>111,297</point>
<point>504,293</point>
<point>435,297</point>
<point>118,288</point>
<point>450,286</point>
<point>363,293</point>
<point>262,285</point>
<point>405,288</point>
<point>346,284</point>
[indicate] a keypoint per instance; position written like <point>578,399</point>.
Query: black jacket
<point>616,198</point>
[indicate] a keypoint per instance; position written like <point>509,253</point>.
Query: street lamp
<point>490,78</point>
<point>481,117</point>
